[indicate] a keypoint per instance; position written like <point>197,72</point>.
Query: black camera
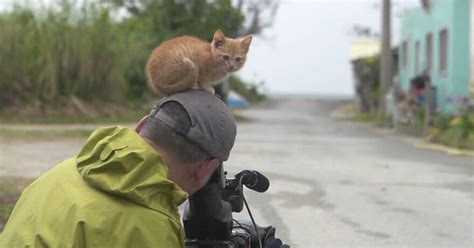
<point>207,217</point>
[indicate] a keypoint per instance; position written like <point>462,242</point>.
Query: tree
<point>362,31</point>
<point>260,14</point>
<point>159,20</point>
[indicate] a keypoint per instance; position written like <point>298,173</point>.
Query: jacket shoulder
<point>59,209</point>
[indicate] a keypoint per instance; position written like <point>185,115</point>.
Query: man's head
<point>194,131</point>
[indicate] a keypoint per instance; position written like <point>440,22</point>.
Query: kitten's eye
<point>238,59</point>
<point>225,57</point>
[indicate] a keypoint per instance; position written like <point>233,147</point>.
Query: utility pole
<point>386,56</point>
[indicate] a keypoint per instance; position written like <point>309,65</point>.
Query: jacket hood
<point>118,161</point>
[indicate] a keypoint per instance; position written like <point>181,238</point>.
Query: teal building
<point>436,38</point>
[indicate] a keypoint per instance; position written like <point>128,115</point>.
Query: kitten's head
<point>231,52</point>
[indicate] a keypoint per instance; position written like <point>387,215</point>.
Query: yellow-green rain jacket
<point>114,193</point>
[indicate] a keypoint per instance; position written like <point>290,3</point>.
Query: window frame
<point>405,54</point>
<point>443,52</point>
<point>429,52</point>
<point>417,57</point>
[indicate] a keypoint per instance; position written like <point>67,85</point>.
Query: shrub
<point>59,52</point>
<point>248,90</point>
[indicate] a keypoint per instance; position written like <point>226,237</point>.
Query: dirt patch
<point>10,190</point>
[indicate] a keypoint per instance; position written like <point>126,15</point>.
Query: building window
<point>443,52</point>
<point>417,58</point>
<point>405,54</point>
<point>429,52</point>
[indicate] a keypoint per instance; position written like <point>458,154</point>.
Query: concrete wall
<point>416,24</point>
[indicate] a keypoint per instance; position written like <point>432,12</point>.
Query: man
<point>123,188</point>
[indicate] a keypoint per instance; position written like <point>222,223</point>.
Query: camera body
<point>207,217</point>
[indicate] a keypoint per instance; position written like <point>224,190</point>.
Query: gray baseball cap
<point>213,126</point>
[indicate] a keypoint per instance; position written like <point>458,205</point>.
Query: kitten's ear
<point>245,43</point>
<point>219,39</point>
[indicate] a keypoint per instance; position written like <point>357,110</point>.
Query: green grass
<point>5,210</point>
<point>454,131</point>
<point>18,134</point>
<point>452,138</point>
<point>241,118</point>
<point>10,190</point>
<point>371,118</point>
<point>363,117</point>
<point>134,116</point>
<point>8,133</point>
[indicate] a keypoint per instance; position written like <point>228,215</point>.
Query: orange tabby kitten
<point>190,63</point>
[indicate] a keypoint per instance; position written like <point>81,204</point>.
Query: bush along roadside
<point>248,90</point>
<point>455,130</point>
<point>55,58</point>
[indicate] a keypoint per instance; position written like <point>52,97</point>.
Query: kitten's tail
<point>167,82</point>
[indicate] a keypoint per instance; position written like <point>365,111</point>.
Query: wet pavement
<point>333,183</point>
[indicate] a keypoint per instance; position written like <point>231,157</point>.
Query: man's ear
<point>140,124</point>
<point>205,170</point>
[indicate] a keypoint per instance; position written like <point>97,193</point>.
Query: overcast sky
<point>307,50</point>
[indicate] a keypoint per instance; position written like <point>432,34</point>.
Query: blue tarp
<point>235,100</point>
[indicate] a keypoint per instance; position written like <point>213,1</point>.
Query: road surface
<point>333,183</point>
<point>340,184</point>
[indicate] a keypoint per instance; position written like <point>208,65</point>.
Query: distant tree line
<point>97,50</point>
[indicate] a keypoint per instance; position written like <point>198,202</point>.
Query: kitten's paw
<point>209,89</point>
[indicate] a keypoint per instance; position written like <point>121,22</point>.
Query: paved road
<point>338,184</point>
<point>333,184</point>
